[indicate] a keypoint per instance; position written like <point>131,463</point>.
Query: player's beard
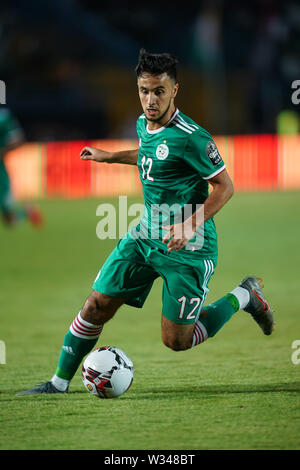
<point>162,115</point>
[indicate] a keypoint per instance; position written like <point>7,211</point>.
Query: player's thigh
<point>126,275</point>
<point>184,292</point>
<point>185,289</point>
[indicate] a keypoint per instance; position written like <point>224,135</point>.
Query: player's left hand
<point>178,235</point>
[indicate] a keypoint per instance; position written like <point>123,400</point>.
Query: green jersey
<point>175,163</point>
<point>10,130</point>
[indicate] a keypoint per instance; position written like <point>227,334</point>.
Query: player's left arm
<point>222,191</point>
<point>180,234</point>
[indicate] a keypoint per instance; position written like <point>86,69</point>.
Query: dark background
<point>69,65</point>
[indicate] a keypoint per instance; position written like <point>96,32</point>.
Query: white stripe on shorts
<point>209,269</point>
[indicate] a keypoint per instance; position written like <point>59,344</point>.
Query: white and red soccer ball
<point>107,372</point>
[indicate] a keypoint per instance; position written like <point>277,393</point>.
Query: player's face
<point>157,93</point>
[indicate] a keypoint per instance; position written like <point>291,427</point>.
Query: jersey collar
<point>155,131</point>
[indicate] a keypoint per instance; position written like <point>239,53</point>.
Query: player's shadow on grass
<point>205,391</point>
<point>208,391</point>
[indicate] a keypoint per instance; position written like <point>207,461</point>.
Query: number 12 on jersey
<point>146,171</point>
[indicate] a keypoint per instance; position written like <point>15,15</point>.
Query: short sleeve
<point>140,123</point>
<point>202,154</point>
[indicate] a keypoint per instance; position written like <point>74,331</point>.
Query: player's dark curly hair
<point>156,64</point>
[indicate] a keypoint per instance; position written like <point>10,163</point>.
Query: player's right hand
<point>91,153</point>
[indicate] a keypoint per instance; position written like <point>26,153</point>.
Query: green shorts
<point>132,267</point>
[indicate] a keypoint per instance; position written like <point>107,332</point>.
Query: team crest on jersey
<point>162,151</point>
<point>213,153</point>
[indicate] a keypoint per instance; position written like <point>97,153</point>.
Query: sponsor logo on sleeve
<point>213,153</point>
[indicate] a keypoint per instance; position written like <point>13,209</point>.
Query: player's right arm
<point>128,157</point>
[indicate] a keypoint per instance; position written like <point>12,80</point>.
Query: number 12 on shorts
<point>191,314</point>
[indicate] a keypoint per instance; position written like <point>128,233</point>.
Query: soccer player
<point>177,160</point>
<point>11,137</point>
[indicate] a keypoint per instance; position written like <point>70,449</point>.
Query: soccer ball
<point>107,372</point>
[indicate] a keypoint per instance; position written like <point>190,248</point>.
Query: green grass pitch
<point>239,390</point>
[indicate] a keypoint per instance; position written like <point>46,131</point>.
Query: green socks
<point>215,315</point>
<point>78,342</point>
<point>73,351</point>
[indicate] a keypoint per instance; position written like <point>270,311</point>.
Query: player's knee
<point>176,337</point>
<point>96,310</point>
<point>176,344</point>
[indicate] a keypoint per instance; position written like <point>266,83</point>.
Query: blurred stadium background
<point>69,73</point>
